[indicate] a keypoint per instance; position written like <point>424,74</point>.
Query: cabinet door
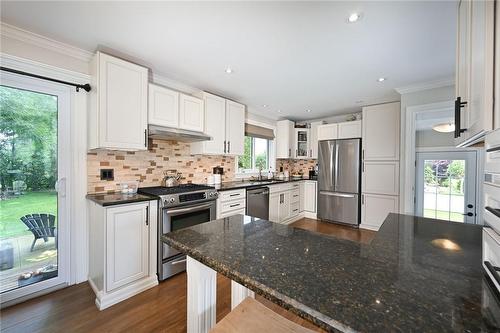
<point>302,189</point>
<point>274,203</point>
<point>380,177</point>
<point>381,132</point>
<point>302,139</point>
<point>479,113</point>
<point>314,139</point>
<point>284,207</point>
<point>235,128</point>
<point>462,60</point>
<point>285,136</point>
<point>127,245</point>
<point>375,208</point>
<point>191,113</point>
<point>328,132</point>
<point>163,107</point>
<point>123,104</point>
<point>215,126</point>
<point>350,129</point>
<point>309,197</point>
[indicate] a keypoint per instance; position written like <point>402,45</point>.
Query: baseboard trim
<point>369,227</point>
<point>105,300</point>
<point>310,215</point>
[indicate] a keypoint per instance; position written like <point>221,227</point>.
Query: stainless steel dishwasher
<point>258,202</point>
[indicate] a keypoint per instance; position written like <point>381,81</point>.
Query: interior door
<point>346,175</point>
<point>326,165</point>
<point>446,186</point>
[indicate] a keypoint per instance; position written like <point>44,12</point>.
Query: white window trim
<point>272,154</point>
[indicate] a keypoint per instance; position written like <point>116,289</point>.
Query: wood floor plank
<point>160,309</point>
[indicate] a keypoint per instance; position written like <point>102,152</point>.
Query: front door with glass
<point>446,186</point>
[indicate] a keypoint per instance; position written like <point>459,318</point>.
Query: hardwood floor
<point>160,309</point>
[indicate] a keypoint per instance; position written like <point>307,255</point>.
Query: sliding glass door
<point>34,142</point>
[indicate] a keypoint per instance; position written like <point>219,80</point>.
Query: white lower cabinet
<point>231,203</point>
<point>375,208</point>
<point>291,201</point>
<point>122,250</point>
<point>309,197</point>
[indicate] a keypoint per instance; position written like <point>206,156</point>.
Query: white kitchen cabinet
<point>302,140</point>
<point>163,107</point>
<point>231,203</point>
<point>496,112</point>
<point>119,104</point>
<point>309,197</point>
<point>274,204</point>
<point>191,113</point>
<point>349,129</point>
<point>380,177</point>
<point>285,139</point>
<point>375,208</point>
<point>284,206</point>
<point>328,132</point>
<point>225,123</point>
<point>123,247</point>
<point>235,128</point>
<point>380,129</point>
<point>314,138</point>
<point>475,68</point>
<point>302,189</point>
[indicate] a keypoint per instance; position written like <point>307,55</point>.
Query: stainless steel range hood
<point>169,133</point>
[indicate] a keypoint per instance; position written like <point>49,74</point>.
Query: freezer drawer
<point>338,207</point>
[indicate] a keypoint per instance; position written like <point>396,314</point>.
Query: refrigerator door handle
<point>337,194</point>
<point>331,164</point>
<point>336,163</point>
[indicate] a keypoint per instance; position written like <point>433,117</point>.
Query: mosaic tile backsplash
<point>147,167</point>
<point>300,166</point>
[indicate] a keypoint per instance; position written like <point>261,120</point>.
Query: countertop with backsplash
<point>234,185</point>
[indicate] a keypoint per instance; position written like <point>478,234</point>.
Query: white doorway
<point>446,185</point>
<point>34,205</point>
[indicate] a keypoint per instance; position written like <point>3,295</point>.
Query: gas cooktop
<point>182,188</point>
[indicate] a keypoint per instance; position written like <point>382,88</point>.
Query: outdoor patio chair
<point>42,226</point>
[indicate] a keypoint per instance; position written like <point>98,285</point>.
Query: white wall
<point>431,138</point>
<point>421,97</point>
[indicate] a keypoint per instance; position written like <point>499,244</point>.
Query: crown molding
<point>29,37</point>
<point>426,86</point>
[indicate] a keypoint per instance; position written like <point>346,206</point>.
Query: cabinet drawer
<point>294,209</point>
<point>232,205</point>
<point>231,213</point>
<point>295,196</point>
<point>232,195</point>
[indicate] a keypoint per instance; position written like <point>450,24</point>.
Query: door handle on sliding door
<point>60,187</point>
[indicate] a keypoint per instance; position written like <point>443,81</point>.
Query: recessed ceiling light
<point>308,110</point>
<point>444,127</point>
<point>354,17</point>
<point>381,79</point>
<point>229,70</point>
<point>279,111</point>
<point>264,105</point>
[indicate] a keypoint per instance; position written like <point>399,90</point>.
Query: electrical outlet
<point>107,174</point>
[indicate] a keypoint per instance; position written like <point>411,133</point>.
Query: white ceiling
<point>291,56</point>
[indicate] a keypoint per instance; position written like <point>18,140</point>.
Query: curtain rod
<point>85,87</point>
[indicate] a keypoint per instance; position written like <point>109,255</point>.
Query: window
<point>256,155</point>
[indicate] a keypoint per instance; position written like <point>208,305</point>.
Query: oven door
<point>183,217</point>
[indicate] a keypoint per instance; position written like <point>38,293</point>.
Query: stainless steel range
<point>180,207</point>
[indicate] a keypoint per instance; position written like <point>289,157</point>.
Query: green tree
<point>245,160</point>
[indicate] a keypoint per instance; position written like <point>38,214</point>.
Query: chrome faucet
<point>260,172</point>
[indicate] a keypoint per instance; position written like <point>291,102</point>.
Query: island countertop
<point>417,274</point>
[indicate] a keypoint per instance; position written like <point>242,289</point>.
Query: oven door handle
<point>176,211</point>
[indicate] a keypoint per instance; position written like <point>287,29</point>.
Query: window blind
<point>259,132</point>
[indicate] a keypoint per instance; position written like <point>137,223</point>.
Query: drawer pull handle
<point>492,270</point>
<point>234,195</point>
<point>494,211</point>
<point>235,205</point>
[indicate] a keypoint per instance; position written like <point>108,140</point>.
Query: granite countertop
<point>111,199</point>
<point>417,274</point>
<point>234,185</point>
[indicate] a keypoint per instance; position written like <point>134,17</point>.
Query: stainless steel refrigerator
<point>339,180</point>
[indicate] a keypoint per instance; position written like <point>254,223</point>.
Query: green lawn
<point>12,209</point>
<point>443,215</point>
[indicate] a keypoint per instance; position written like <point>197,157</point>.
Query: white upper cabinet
<point>235,128</point>
<point>163,106</point>
<point>215,126</point>
<point>475,69</point>
<point>285,139</point>
<point>381,132</point>
<point>314,138</point>
<point>119,104</point>
<point>191,113</point>
<point>328,132</point>
<point>350,129</point>
<point>302,143</point>
<point>225,123</point>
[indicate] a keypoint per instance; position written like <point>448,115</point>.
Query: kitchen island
<point>416,275</point>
